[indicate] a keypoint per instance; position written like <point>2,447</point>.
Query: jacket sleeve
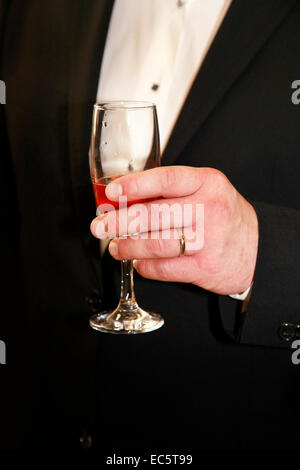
<point>273,313</point>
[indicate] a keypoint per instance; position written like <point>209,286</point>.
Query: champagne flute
<point>125,139</point>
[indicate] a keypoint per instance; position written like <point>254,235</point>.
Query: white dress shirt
<point>153,52</point>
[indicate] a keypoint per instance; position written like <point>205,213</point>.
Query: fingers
<point>167,182</point>
<point>148,217</point>
<point>180,269</point>
<point>165,244</point>
<point>180,182</point>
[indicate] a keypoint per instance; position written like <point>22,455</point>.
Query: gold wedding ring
<point>182,244</point>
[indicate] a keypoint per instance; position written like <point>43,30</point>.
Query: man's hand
<point>226,262</point>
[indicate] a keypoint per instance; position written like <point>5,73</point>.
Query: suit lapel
<point>89,29</point>
<point>245,29</point>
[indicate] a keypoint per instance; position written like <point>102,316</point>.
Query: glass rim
<point>118,105</point>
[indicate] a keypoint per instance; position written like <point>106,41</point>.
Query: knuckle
<point>111,223</point>
<point>134,185</point>
<point>218,177</point>
<point>156,248</point>
<point>219,209</point>
<point>169,178</point>
<point>123,252</point>
<point>153,269</point>
<point>144,268</point>
<point>161,268</point>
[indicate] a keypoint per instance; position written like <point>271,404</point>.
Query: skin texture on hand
<point>226,262</point>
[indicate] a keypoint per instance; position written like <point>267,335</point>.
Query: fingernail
<point>113,191</point>
<point>99,229</point>
<point>113,248</point>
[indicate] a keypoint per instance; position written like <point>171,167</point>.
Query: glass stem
<point>127,298</point>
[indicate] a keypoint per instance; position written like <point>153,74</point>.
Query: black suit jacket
<point>212,377</point>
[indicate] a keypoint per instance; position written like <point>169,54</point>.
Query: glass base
<point>120,321</point>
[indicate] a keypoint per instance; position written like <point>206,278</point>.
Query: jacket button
<point>94,301</point>
<point>287,331</point>
<point>85,441</point>
<point>297,331</point>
